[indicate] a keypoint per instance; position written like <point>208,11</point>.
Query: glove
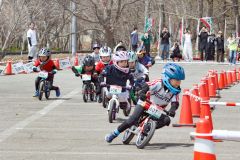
<point>77,74</point>
<point>94,75</point>
<point>34,69</point>
<point>171,113</point>
<point>54,71</point>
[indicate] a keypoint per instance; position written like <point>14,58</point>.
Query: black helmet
<point>120,47</point>
<point>88,61</point>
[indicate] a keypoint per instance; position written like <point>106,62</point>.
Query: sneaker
<point>36,94</point>
<point>58,92</point>
<point>109,138</point>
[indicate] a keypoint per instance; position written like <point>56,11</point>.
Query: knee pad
<point>163,121</point>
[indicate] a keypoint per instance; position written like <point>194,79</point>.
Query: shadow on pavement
<point>156,146</point>
<point>53,99</point>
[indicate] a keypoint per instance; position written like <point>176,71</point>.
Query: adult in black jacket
<point>210,52</point>
<point>203,37</point>
<point>165,35</point>
<point>220,47</point>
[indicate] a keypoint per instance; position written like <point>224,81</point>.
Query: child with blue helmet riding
<point>161,92</point>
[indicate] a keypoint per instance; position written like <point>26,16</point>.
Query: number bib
<point>86,77</point>
<point>115,89</point>
<point>43,75</point>
<point>154,111</point>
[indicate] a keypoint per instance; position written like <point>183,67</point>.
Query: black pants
<point>50,79</point>
<point>147,47</point>
<point>220,55</point>
<point>133,119</point>
<point>134,47</point>
<point>97,85</point>
<point>201,53</point>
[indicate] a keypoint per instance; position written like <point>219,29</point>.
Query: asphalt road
<point>67,128</point>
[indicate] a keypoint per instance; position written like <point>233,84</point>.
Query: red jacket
<point>48,67</point>
<point>100,66</point>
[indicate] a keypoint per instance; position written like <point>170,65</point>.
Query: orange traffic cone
<point>229,78</point>
<point>195,103</point>
<point>234,76</point>
<point>225,80</point>
<point>212,87</point>
<point>206,81</point>
<point>206,110</point>
<point>202,89</point>
<point>204,145</point>
<point>8,69</point>
<point>238,75</point>
<point>216,79</point>
<point>186,113</point>
<point>221,81</point>
<point>76,62</point>
<point>56,62</point>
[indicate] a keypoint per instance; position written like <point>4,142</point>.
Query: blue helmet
<point>172,71</point>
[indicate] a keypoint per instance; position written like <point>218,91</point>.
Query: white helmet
<point>120,56</point>
<point>105,51</point>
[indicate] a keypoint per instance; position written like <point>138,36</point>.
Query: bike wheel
<point>128,135</point>
<point>104,98</point>
<point>127,110</point>
<point>112,112</point>
<point>85,94</point>
<point>41,90</point>
<point>47,91</point>
<point>146,135</point>
<point>91,92</point>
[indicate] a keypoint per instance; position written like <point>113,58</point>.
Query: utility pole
<point>73,29</point>
<point>146,13</point>
<point>159,33</point>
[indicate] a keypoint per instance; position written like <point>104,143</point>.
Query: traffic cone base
<point>204,145</point>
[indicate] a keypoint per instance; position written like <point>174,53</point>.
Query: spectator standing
<point>203,36</point>
<point>165,35</point>
<point>187,48</point>
<point>220,47</point>
<point>32,41</point>
<point>232,45</point>
<point>146,42</point>
<point>134,39</point>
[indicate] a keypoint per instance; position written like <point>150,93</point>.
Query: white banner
<point>2,69</point>
<point>29,67</point>
<point>18,67</point>
<point>64,63</point>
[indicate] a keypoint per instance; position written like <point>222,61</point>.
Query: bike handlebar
<point>123,87</point>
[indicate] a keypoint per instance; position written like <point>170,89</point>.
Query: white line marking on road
<point>22,124</point>
<point>89,153</point>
